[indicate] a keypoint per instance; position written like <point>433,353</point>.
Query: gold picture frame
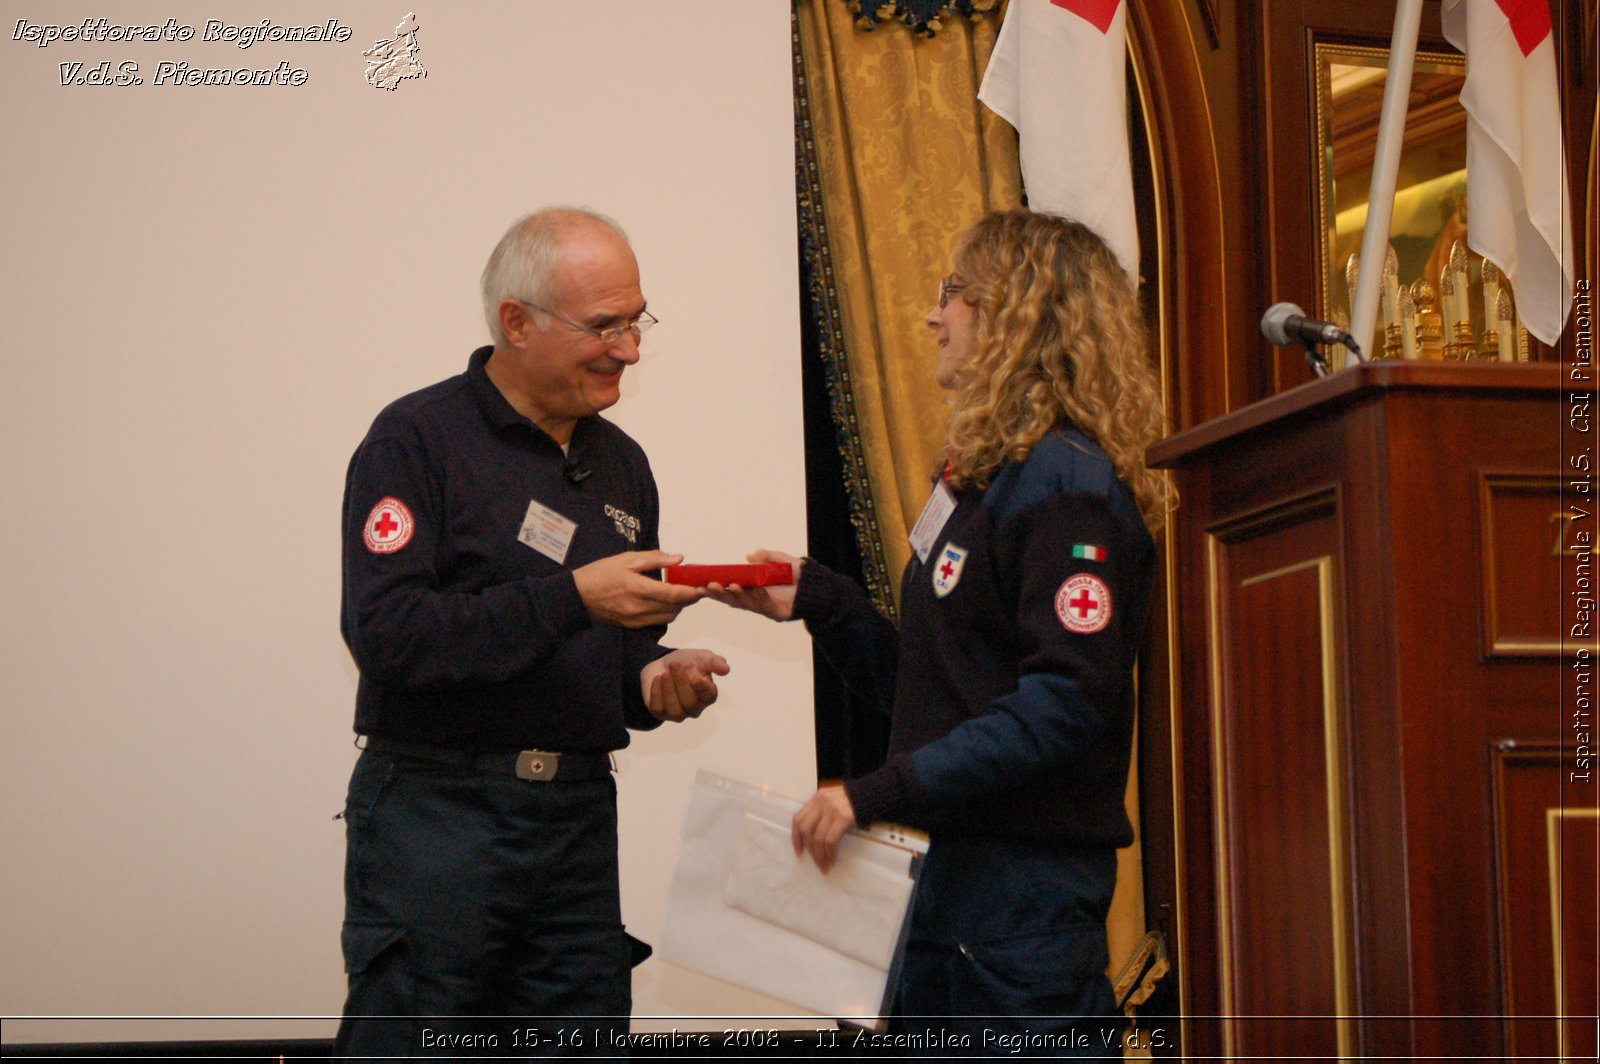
<point>1430,192</point>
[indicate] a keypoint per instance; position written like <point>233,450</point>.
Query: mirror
<point>1430,206</point>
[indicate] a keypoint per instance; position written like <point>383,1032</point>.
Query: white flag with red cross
<point>1058,73</point>
<point>1519,216</point>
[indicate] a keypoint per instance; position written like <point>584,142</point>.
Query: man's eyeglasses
<point>611,333</point>
<point>947,290</point>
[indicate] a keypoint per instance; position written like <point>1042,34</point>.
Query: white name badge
<point>547,531</point>
<point>925,533</point>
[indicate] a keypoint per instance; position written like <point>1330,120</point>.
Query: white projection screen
<point>209,292</point>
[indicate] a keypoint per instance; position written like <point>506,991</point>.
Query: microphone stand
<point>1319,365</point>
<point>1314,359</point>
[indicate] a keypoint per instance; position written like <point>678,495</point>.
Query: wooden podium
<point>1383,843</point>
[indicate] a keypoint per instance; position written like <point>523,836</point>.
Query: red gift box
<point>759,574</point>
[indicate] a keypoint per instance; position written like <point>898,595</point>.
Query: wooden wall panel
<point>1523,520</point>
<point>1546,858</point>
<point>1279,731</point>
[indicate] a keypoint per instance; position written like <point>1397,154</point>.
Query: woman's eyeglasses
<point>947,289</point>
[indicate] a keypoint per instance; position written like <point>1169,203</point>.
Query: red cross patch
<point>389,526</point>
<point>947,569</point>
<point>1084,604</point>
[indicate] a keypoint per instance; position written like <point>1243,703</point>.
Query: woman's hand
<point>821,823</point>
<point>776,602</point>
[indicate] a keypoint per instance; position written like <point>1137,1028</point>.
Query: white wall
<point>208,292</point>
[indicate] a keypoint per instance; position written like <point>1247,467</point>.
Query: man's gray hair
<point>523,265</point>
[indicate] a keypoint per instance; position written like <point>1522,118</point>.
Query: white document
<point>742,906</point>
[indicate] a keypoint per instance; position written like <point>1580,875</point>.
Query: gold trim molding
<point>1323,503</point>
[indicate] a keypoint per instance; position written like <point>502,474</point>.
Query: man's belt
<point>541,766</point>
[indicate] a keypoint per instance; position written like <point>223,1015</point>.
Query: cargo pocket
<point>371,781</point>
<point>380,1018</point>
<point>368,783</point>
<point>1040,981</point>
<point>374,959</point>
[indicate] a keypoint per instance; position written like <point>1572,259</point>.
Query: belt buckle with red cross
<point>537,765</point>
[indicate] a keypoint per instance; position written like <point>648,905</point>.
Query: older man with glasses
<point>499,553</point>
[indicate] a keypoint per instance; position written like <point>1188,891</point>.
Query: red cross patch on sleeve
<point>1084,604</point>
<point>389,526</point>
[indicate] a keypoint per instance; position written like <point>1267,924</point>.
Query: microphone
<point>575,473</point>
<point>1284,324</point>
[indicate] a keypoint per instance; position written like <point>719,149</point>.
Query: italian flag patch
<point>1089,551</point>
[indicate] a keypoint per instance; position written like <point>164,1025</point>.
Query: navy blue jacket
<point>1010,679</point>
<point>465,635</point>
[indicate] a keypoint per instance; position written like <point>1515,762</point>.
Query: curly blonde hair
<point>1060,337</point>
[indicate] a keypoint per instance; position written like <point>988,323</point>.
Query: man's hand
<point>821,823</point>
<point>682,684</point>
<point>615,590</point>
<point>776,602</point>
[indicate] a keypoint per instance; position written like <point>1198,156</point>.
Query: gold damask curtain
<point>900,157</point>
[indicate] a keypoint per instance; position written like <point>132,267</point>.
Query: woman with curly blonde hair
<point>1060,338</point>
<point>1010,678</point>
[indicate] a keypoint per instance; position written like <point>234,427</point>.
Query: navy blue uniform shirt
<point>1010,678</point>
<point>465,634</point>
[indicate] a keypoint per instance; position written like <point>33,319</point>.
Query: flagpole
<point>1385,167</point>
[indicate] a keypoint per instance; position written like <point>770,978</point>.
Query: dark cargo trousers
<point>481,913</point>
<point>1007,953</point>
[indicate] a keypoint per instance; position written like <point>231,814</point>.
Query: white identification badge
<point>547,531</point>
<point>940,505</point>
